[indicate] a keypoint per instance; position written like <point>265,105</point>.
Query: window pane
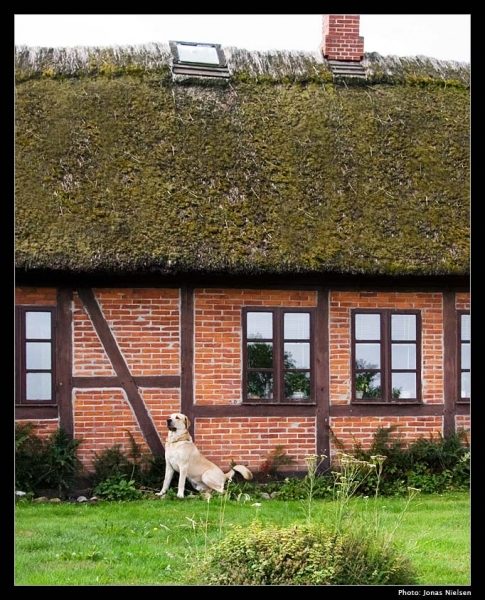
<point>403,327</point>
<point>367,356</point>
<point>260,355</point>
<point>198,54</point>
<point>38,325</point>
<point>465,385</point>
<point>39,386</point>
<point>297,326</point>
<point>38,355</point>
<point>465,328</point>
<point>260,325</point>
<point>403,356</point>
<point>465,356</point>
<point>260,384</point>
<point>403,385</point>
<point>297,385</point>
<point>368,385</point>
<point>297,356</point>
<point>367,327</point>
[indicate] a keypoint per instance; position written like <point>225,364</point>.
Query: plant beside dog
<point>117,487</point>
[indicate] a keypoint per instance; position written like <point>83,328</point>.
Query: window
<point>35,356</point>
<point>278,355</point>
<point>194,58</point>
<point>386,356</point>
<point>464,356</point>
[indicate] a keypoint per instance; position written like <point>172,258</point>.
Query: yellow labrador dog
<point>183,457</point>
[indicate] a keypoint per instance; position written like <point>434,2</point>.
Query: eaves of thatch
<point>122,168</point>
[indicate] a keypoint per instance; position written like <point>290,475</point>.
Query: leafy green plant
<point>146,470</point>
<point>112,462</point>
<point>117,487</point>
<point>434,464</point>
<point>45,463</point>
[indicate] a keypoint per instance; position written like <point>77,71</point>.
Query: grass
<point>157,542</point>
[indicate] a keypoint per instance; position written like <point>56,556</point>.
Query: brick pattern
<point>218,337</point>
<point>462,301</point>
<point>104,418</point>
<point>43,427</point>
<point>341,40</point>
<point>431,307</point>
<point>250,440</point>
<point>463,423</point>
<point>352,430</point>
<point>146,325</point>
<point>35,296</point>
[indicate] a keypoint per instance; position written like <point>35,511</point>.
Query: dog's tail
<point>244,471</point>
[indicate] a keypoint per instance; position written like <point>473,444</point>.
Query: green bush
<point>45,463</point>
<point>146,471</point>
<point>117,487</point>
<point>303,555</point>
<point>434,465</point>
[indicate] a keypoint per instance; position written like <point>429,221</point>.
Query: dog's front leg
<point>169,471</point>
<point>182,478</point>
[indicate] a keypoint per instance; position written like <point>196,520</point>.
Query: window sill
<point>253,402</point>
<point>380,401</point>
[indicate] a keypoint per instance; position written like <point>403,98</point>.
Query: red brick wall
<point>249,441</point>
<point>462,301</point>
<point>218,338</point>
<point>43,427</point>
<point>146,325</point>
<point>36,296</point>
<point>352,430</point>
<point>104,418</point>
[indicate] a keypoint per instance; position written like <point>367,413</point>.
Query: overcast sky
<point>445,37</point>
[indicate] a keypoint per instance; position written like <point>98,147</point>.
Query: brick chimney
<point>341,39</point>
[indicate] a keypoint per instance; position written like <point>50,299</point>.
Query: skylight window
<point>198,54</point>
<point>194,58</point>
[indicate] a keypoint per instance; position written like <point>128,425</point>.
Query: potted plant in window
<point>362,385</point>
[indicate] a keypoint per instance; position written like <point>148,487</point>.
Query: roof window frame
<point>198,68</point>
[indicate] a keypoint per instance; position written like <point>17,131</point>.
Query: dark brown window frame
<point>20,357</point>
<point>460,370</point>
<point>278,355</point>
<point>386,370</point>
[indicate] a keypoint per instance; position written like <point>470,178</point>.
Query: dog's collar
<point>185,437</point>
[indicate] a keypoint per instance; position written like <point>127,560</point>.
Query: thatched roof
<point>122,168</point>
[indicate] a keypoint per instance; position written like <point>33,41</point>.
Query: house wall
<point>146,324</point>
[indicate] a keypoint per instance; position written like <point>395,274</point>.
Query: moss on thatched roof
<point>123,168</point>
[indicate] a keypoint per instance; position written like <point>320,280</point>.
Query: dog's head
<point>178,422</point>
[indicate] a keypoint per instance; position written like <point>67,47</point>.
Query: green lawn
<point>157,542</point>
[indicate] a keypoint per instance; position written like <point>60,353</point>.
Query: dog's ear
<point>187,422</point>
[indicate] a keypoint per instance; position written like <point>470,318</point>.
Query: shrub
<point>45,463</point>
<point>434,464</point>
<point>310,554</point>
<point>112,462</point>
<point>117,487</point>
<point>145,470</point>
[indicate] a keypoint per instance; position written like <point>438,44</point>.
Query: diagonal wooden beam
<point>126,380</point>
